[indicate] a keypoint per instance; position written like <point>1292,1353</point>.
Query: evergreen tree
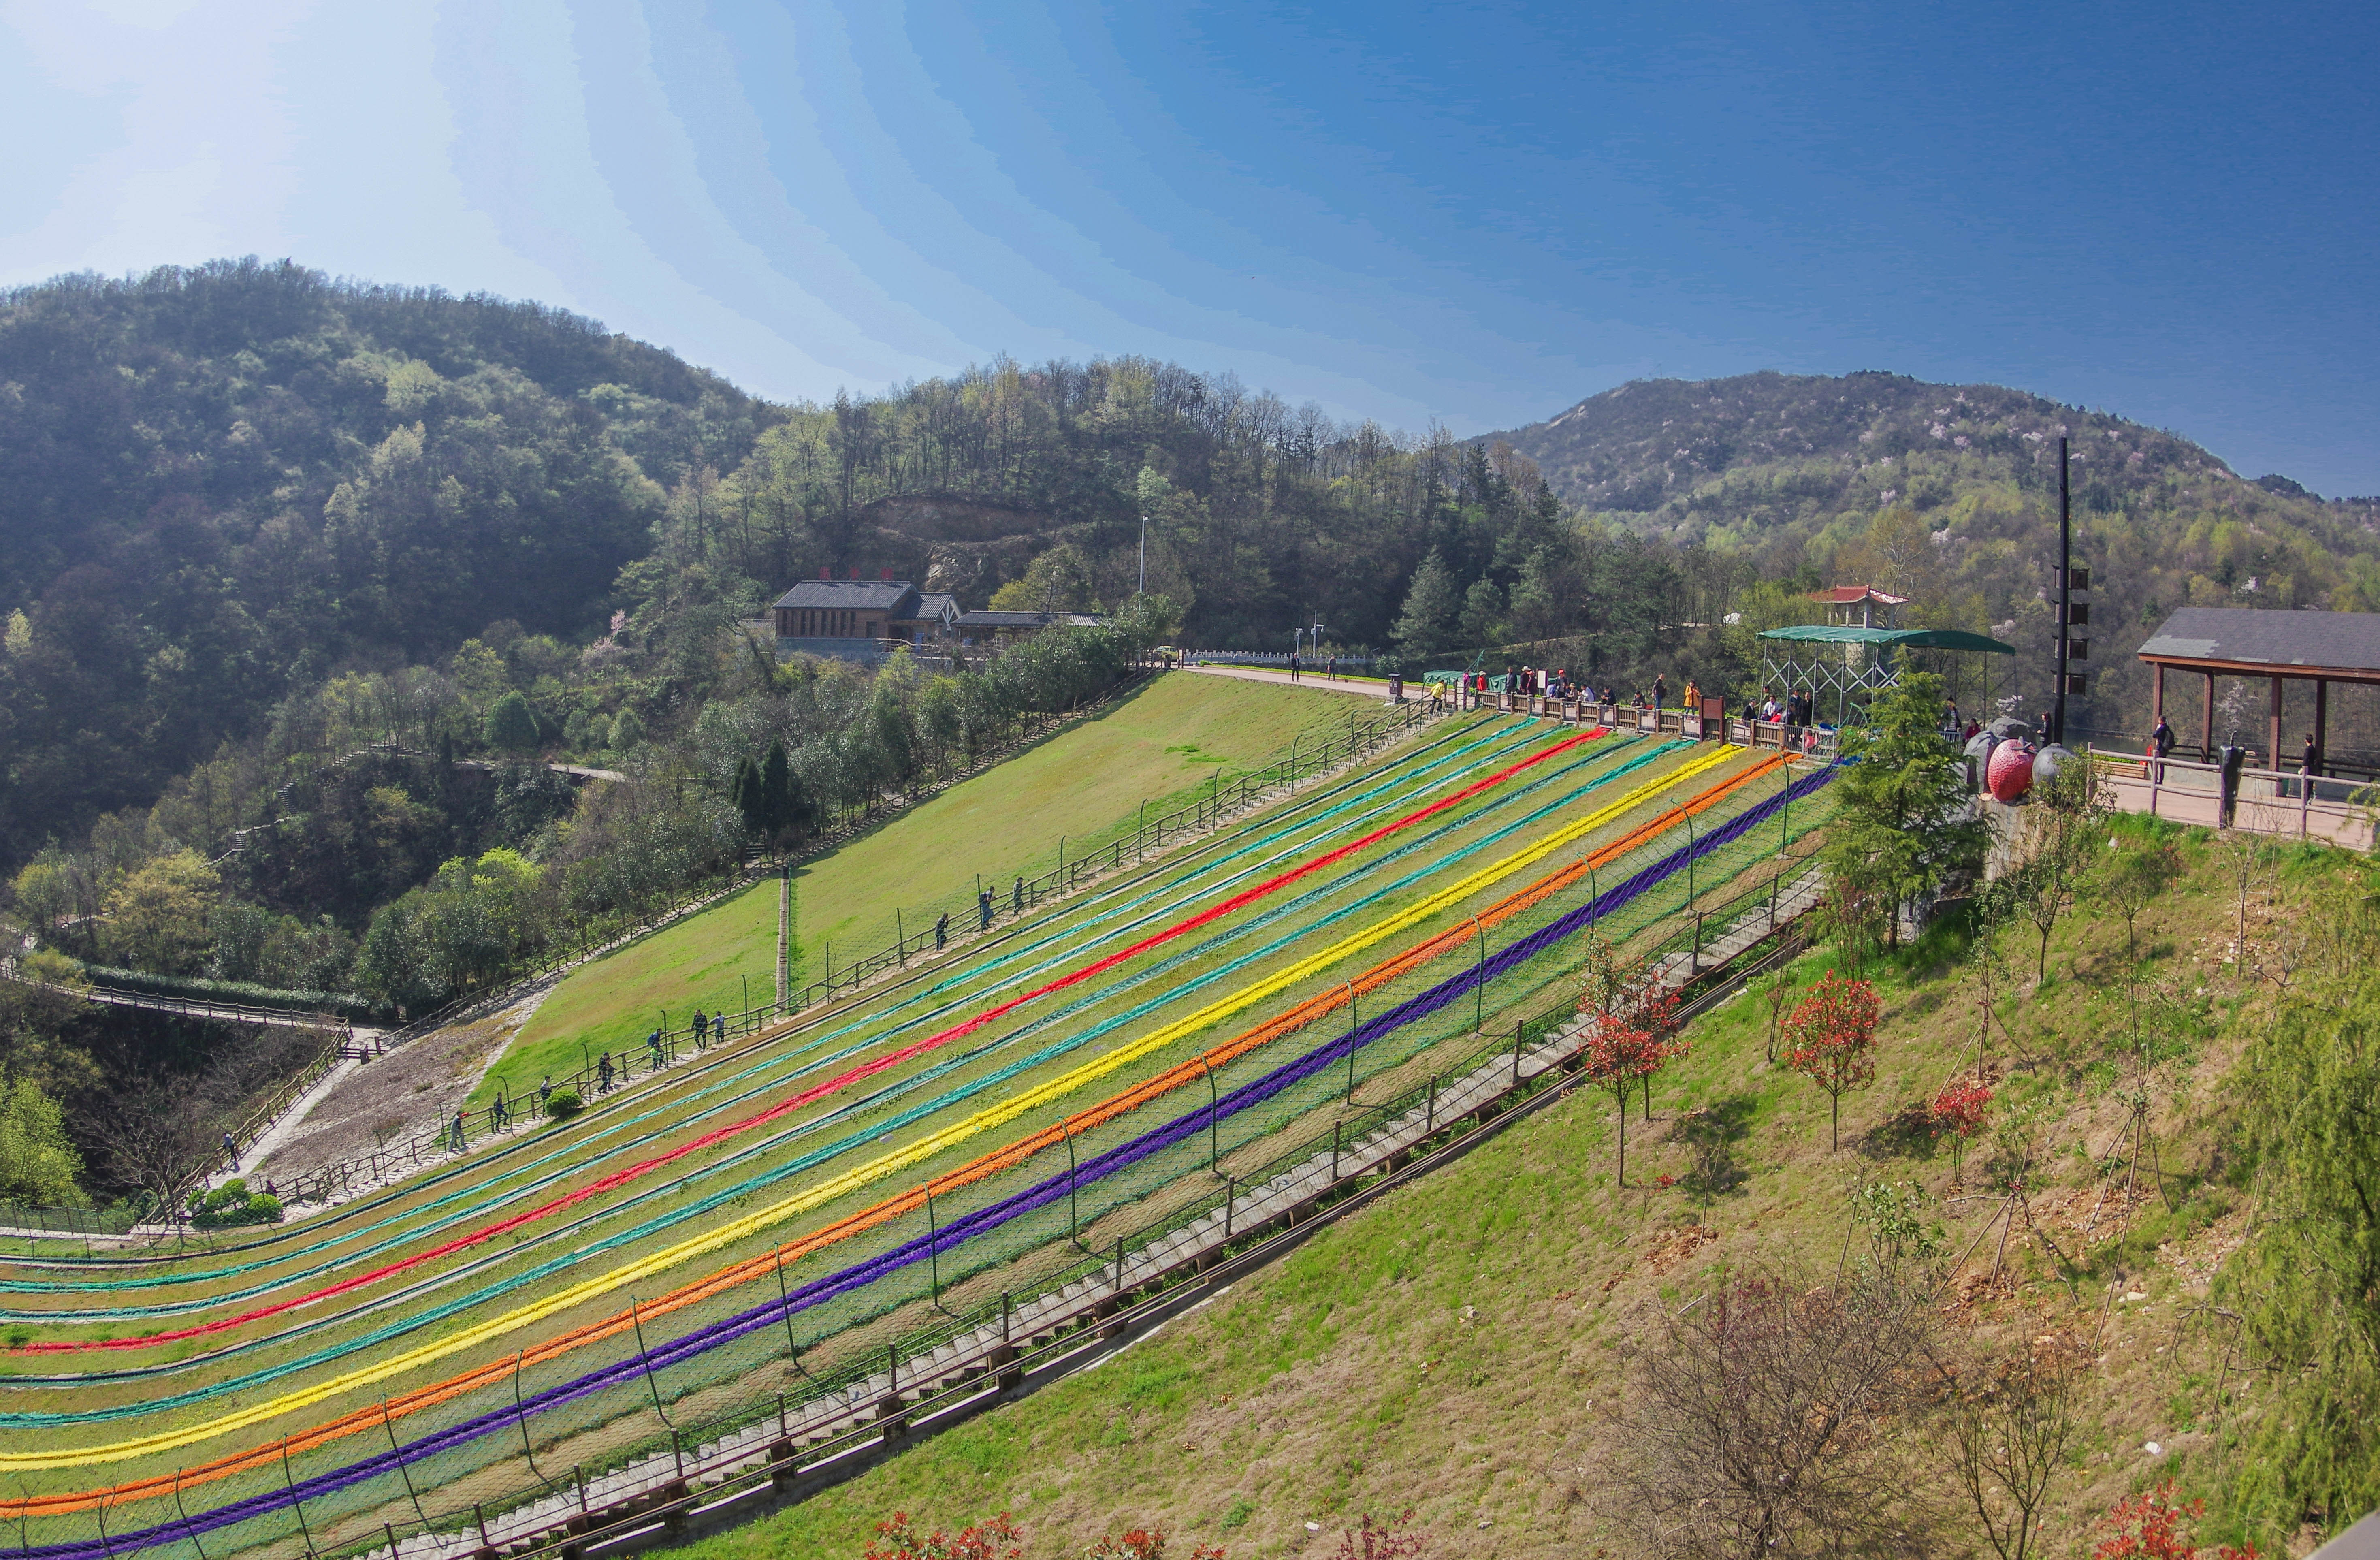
<point>1431,602</point>
<point>1903,825</point>
<point>782,809</point>
<point>510,726</point>
<point>752,798</point>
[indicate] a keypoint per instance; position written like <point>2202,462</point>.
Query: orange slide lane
<point>622,1177</point>
<point>734,1274</point>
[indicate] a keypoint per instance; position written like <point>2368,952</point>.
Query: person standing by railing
<point>2160,748</point>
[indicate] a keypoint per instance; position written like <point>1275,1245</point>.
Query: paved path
<point>1369,688</point>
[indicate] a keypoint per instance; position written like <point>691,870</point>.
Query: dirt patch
<point>1676,1246</point>
<point>411,1091</point>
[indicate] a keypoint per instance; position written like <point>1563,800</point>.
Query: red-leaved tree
<point>899,1539</point>
<point>2149,1526</point>
<point>1621,1048</point>
<point>1830,1039</point>
<point>1961,1110</point>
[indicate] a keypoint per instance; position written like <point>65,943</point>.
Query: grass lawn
<point>1159,744</point>
<point>1457,1347</point>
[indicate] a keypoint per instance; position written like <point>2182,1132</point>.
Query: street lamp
<point>1144,554</point>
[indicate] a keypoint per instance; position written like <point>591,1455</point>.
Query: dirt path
<point>411,1091</point>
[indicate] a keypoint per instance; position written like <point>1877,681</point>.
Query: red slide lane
<point>818,1090</point>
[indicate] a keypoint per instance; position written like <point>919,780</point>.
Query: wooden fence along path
<point>2270,801</point>
<point>802,1445</point>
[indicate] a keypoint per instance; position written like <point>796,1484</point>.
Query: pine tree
<point>782,809</point>
<point>749,796</point>
<point>1902,825</point>
<point>1432,602</point>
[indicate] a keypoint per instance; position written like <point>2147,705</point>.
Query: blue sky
<point>1476,213</point>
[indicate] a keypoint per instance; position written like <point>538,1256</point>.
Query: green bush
<point>232,1203</point>
<point>563,1103</point>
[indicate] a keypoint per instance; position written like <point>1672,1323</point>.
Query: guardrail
<point>2265,801</point>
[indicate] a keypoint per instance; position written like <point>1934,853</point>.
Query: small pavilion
<point>2321,648</point>
<point>1854,664</point>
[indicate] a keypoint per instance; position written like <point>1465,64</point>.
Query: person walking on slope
<point>983,910</point>
<point>1017,897</point>
<point>603,1073</point>
<point>942,933</point>
<point>654,1041</point>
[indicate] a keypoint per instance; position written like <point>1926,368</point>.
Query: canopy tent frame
<point>1855,664</point>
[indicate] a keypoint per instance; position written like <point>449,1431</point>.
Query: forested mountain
<point>1948,493</point>
<point>221,484</point>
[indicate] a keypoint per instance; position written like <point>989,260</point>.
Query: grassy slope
<point>1454,1348</point>
<point>1158,744</point>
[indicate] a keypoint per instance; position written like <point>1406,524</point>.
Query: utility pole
<point>2065,592</point>
<point>1144,554</point>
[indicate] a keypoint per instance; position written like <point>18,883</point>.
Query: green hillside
<point>1158,744</point>
<point>1789,475</point>
<point>1473,1346</point>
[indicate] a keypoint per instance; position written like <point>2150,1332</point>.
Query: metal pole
<point>1214,1116</point>
<point>1479,981</point>
<point>933,1256</point>
<point>1352,1025</point>
<point>193,1532</point>
<point>647,1361</point>
<point>2065,594</point>
<point>521,1415</point>
<point>785,1301</point>
<point>1073,1220</point>
<point>297,1506</point>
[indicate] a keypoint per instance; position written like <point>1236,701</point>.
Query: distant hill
<point>223,483</point>
<point>1792,471</point>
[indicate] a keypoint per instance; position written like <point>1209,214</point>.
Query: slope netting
<point>1217,866</point>
<point>541,1416</point>
<point>1558,777</point>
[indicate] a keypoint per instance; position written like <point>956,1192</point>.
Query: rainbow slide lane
<point>416,1319</point>
<point>772,1311</point>
<point>841,1080</point>
<point>236,1417</point>
<point>1278,826</point>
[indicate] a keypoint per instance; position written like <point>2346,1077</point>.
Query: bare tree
<point>2010,1422</point>
<point>1767,1419</point>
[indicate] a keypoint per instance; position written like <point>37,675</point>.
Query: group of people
<point>1297,664</point>
<point>1795,709</point>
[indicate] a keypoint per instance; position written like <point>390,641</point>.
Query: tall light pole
<point>2065,595</point>
<point>1144,554</point>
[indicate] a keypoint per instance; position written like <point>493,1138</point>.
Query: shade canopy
<point>1925,638</point>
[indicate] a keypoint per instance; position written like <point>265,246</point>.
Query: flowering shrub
<point>2148,1527</point>
<point>899,1539</point>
